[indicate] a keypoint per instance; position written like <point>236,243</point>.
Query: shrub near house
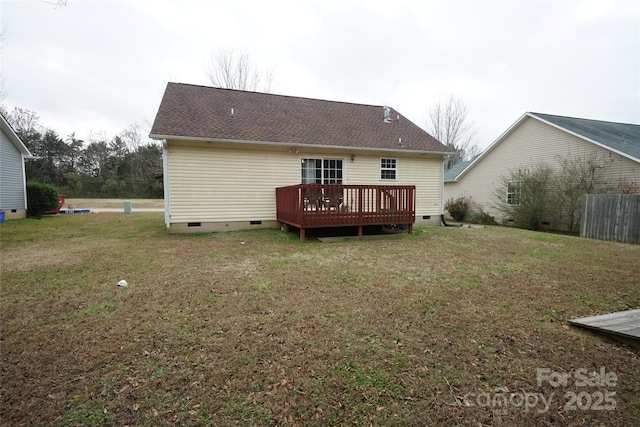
<point>458,208</point>
<point>464,209</point>
<point>552,196</point>
<point>41,197</point>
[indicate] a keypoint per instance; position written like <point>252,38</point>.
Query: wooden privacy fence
<point>614,217</point>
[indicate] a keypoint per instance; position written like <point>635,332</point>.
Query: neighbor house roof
<point>13,137</point>
<point>623,138</point>
<point>455,170</point>
<point>203,113</point>
<point>620,138</point>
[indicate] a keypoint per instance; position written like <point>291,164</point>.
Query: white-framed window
<point>322,171</point>
<point>513,192</point>
<point>388,168</point>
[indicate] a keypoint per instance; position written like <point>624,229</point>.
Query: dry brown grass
<point>256,328</point>
<point>112,203</point>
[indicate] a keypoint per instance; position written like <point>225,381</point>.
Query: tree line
<point>125,165</point>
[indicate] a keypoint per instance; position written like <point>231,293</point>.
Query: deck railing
<point>338,205</point>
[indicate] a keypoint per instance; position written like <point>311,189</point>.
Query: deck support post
<point>359,231</point>
<point>302,234</point>
<point>410,229</point>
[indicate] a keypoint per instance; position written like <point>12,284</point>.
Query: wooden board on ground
<point>623,325</point>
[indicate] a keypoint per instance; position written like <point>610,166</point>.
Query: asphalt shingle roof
<point>200,112</point>
<point>456,169</point>
<point>621,137</point>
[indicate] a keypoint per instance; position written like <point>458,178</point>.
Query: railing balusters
<point>317,205</point>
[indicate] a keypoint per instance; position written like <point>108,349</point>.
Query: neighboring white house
<point>543,139</point>
<point>226,151</point>
<point>13,189</point>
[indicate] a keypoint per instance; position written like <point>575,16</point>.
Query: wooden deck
<point>624,325</point>
<point>337,205</point>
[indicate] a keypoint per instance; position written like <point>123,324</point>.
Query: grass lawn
<point>113,203</point>
<point>445,327</point>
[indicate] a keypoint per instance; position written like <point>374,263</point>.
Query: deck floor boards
<point>625,324</point>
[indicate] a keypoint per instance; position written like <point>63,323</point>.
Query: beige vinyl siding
<point>529,144</point>
<point>211,182</point>
<point>218,185</point>
<point>423,172</point>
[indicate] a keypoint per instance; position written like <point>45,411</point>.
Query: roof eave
<point>290,144</point>
<point>14,138</point>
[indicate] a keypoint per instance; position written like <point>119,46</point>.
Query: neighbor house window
<point>388,168</point>
<point>513,192</point>
<point>322,171</point>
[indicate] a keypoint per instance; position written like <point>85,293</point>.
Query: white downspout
<point>24,181</point>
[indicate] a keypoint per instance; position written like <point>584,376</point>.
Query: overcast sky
<point>99,66</point>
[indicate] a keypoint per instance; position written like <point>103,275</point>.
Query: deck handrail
<point>329,205</point>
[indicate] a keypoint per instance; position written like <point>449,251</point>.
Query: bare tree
<point>526,197</point>
<point>234,70</point>
<point>449,124</point>
<point>580,175</point>
<point>553,195</point>
<point>26,123</point>
<point>132,137</point>
<point>56,3</point>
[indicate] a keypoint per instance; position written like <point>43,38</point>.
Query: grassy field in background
<point>112,203</point>
<point>257,328</point>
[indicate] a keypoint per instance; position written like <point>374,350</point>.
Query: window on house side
<point>513,192</point>
<point>322,171</point>
<point>388,168</point>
